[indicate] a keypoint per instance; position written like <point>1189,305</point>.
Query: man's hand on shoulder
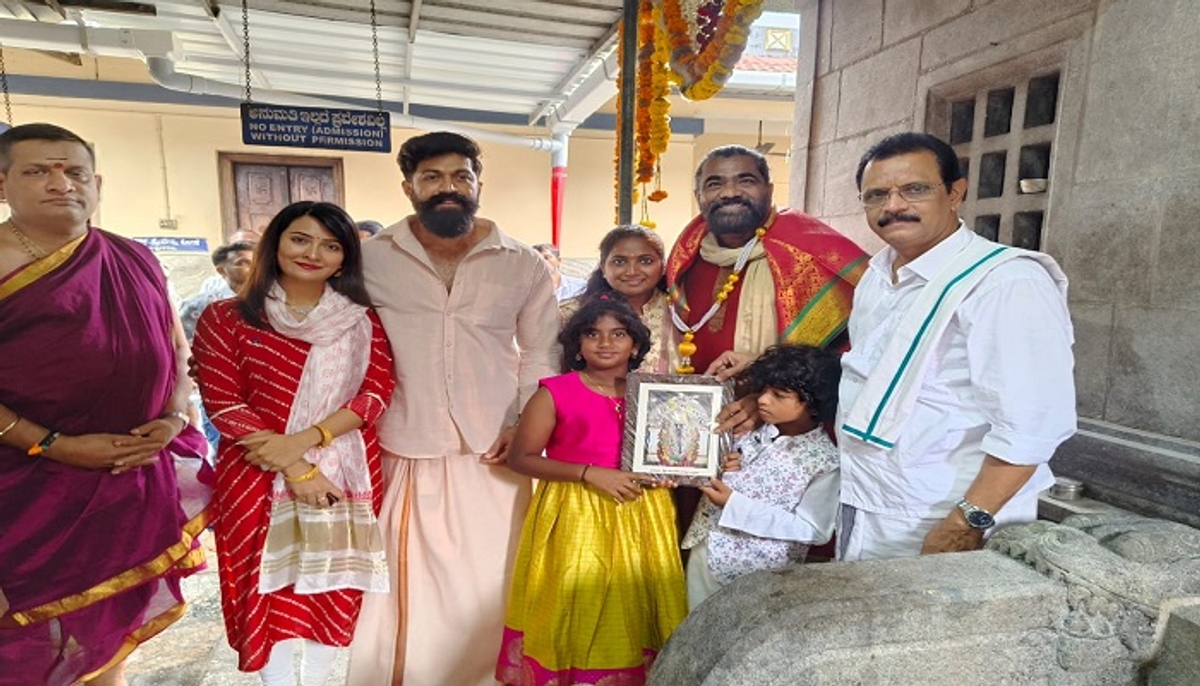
<point>498,453</point>
<point>952,535</point>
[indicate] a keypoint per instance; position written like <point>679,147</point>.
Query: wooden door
<point>255,187</point>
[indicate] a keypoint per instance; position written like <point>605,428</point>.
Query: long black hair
<point>265,272</point>
<point>596,282</point>
<point>584,320</point>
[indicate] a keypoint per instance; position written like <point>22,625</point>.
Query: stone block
<point>856,32</point>
<point>878,91</point>
<point>826,93</point>
<point>814,189</point>
<point>1136,30</point>
<point>841,193</point>
<point>1093,324</point>
<point>1105,232</point>
<point>1130,103</point>
<point>1155,374</point>
<point>992,24</point>
<point>1175,282</point>
<point>904,19</point>
<point>1179,662</point>
<point>824,20</point>
<point>966,618</point>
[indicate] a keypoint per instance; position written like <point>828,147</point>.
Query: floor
<point>193,651</point>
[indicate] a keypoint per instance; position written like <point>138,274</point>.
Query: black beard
<point>444,221</point>
<point>720,224</point>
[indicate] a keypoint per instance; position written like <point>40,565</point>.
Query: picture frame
<point>669,421</point>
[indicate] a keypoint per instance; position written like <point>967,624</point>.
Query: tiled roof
<point>764,63</point>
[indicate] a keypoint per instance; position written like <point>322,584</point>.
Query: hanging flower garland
<point>692,43</point>
<point>652,119</point>
<point>703,72</point>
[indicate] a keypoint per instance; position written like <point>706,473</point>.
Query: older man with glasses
<point>958,386</point>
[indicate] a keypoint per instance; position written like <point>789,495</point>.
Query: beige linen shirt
<point>469,359</point>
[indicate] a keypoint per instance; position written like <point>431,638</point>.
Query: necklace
<point>617,401</point>
<point>35,251</point>
<point>301,311</point>
<point>687,347</point>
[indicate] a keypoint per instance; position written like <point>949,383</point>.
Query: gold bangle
<point>306,476</point>
<point>10,426</point>
<point>326,436</point>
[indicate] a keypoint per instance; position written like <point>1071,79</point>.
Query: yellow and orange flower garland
<point>667,53</point>
<point>704,73</point>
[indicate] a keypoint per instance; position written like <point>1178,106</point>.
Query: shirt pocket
<point>495,304</point>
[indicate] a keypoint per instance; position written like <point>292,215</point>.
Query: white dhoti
<point>451,526</point>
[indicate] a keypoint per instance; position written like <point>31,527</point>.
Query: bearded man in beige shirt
<point>472,319</point>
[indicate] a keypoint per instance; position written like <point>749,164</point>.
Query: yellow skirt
<point>597,587</point>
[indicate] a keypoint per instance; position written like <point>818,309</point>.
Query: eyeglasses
<point>911,192</point>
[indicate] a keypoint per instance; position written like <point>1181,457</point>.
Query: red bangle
<point>583,474</point>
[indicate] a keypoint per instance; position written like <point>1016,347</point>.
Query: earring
<point>578,357</point>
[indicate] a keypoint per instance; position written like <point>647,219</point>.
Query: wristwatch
<point>977,517</point>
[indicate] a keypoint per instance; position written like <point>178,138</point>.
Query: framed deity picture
<point>669,422</point>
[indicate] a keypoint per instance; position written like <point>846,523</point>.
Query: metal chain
<point>246,46</point>
<point>4,85</point>
<point>375,53</point>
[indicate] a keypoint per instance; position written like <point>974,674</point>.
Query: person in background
<point>369,228</point>
<point>294,372</point>
<point>597,586</point>
<point>565,286</point>
<point>631,265</point>
<point>959,383</point>
<point>232,262</point>
<point>94,535</point>
<point>780,490</point>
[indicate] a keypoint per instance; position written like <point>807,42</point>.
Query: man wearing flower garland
<point>743,276</point>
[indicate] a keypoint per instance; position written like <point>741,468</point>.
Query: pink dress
<point>597,588</point>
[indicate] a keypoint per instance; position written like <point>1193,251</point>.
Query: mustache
<point>888,218</point>
<point>732,201</point>
<point>435,200</point>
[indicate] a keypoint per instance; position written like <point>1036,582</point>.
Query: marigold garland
<point>703,73</point>
<point>669,33</point>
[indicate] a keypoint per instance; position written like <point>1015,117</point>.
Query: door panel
<point>312,183</point>
<point>262,190</point>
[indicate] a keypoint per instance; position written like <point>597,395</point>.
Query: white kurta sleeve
<point>812,521</point>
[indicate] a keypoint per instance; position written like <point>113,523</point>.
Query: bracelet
<point>326,436</point>
<point>177,415</point>
<point>42,445</point>
<point>10,426</point>
<point>583,474</point>
<point>306,476</point>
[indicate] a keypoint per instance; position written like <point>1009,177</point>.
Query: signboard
<point>316,127</point>
<point>174,244</point>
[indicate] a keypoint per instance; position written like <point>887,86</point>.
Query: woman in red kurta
<point>294,372</point>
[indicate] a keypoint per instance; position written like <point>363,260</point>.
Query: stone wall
<point>1123,203</point>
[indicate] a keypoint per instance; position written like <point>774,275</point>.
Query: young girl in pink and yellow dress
<point>598,585</point>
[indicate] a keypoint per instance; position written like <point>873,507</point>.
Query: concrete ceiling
<point>548,63</point>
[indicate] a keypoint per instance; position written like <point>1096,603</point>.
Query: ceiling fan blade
<point>764,148</point>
